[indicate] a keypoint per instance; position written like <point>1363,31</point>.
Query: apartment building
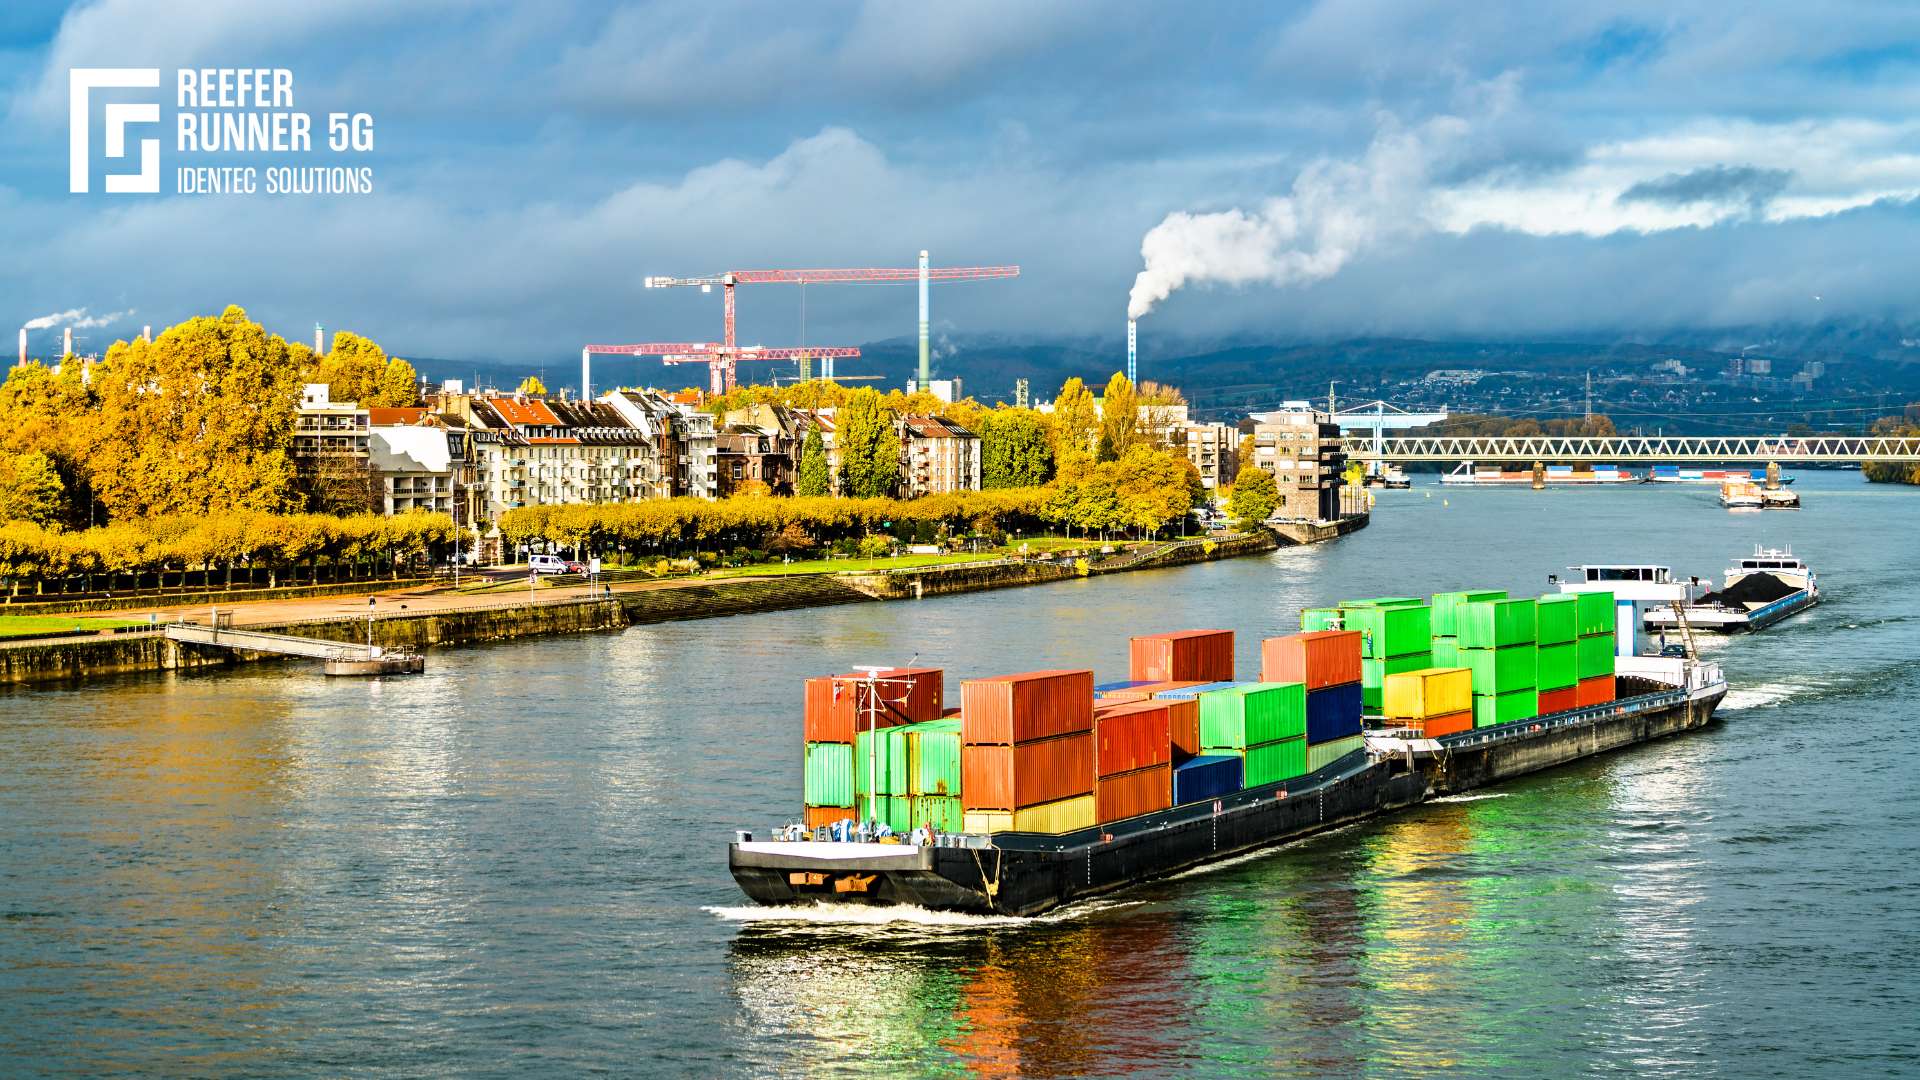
<point>936,456</point>
<point>1302,449</point>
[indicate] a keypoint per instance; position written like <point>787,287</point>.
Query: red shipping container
<point>834,707</point>
<point>1183,723</point>
<point>1130,737</point>
<point>1595,691</point>
<point>1451,723</point>
<point>1187,655</point>
<point>1553,701</point>
<point>1131,794</point>
<point>1015,708</point>
<point>1320,659</point>
<point>1000,777</point>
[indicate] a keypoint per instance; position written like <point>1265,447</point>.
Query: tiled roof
<point>381,416</point>
<point>523,411</point>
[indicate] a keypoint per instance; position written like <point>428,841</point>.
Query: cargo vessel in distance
<point>1395,764</point>
<point>1756,592</point>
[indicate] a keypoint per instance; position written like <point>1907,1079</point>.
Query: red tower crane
<point>871,275</point>
<point>720,359</point>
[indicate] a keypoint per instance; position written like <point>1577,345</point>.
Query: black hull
<point>1027,874</point>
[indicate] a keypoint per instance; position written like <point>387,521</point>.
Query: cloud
<point>1736,184</point>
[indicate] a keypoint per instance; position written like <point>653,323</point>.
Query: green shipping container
<point>1491,709</point>
<point>941,811</point>
<point>1385,602</point>
<point>1493,624</point>
<point>1321,755</point>
<point>1373,675</point>
<point>1319,618</point>
<point>933,757</point>
<point>1556,619</point>
<point>895,810</point>
<point>1595,612</point>
<point>1557,667</point>
<point>1446,607</point>
<point>827,779</point>
<point>1276,761</point>
<point>890,771</point>
<point>1501,671</point>
<point>1391,632</point>
<point>1594,655</point>
<point>1251,714</point>
<point>1446,652</point>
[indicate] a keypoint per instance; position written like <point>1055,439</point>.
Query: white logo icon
<point>81,82</point>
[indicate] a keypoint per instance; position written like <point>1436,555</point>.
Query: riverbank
<point>417,621</point>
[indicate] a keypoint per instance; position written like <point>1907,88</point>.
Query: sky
<point>1287,171</point>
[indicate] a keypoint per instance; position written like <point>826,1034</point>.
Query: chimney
<point>23,344</point>
<point>66,350</point>
<point>1132,371</point>
<point>318,347</point>
<point>146,334</point>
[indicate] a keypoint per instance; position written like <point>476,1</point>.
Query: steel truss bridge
<point>1624,449</point>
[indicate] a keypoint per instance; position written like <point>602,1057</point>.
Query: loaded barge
<point>1756,592</point>
<point>1395,763</point>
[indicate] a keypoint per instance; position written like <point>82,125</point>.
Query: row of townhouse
<point>478,455</point>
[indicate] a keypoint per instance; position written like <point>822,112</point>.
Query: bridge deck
<point>260,641</point>
<point>1622,449</point>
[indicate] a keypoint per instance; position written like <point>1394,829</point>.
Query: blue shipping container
<point>1196,691</point>
<point>1333,713</point>
<point>1123,685</point>
<point>1202,778</point>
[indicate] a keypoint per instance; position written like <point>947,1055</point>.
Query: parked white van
<point>546,564</point>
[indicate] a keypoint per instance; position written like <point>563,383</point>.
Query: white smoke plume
<point>76,318</point>
<point>1336,210</point>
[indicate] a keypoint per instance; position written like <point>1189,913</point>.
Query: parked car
<point>576,567</point>
<point>547,564</point>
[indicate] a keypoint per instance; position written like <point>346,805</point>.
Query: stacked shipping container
<point>1397,635</point>
<point>1329,664</point>
<point>1433,701</point>
<point>839,706</point>
<point>1556,625</point>
<point>1446,609</point>
<point>1026,754</point>
<point>1182,656</point>
<point>1498,641</point>
<point>1594,649</point>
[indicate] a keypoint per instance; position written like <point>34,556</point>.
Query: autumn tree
<point>352,369</point>
<point>1119,419</point>
<point>1076,424</point>
<point>869,449</point>
<point>812,477</point>
<point>532,387</point>
<point>399,385</point>
<point>1255,496</point>
<point>199,419</point>
<point>31,489</point>
<point>53,411</point>
<point>1014,451</point>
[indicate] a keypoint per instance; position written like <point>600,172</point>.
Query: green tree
<point>197,420</point>
<point>1119,419</point>
<point>399,385</point>
<point>869,449</point>
<point>812,477</point>
<point>532,386</point>
<point>30,489</point>
<point>1014,451</point>
<point>1254,497</point>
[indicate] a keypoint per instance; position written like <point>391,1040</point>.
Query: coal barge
<point>1025,874</point>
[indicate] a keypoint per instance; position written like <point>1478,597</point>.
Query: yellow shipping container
<point>1417,695</point>
<point>1064,816</point>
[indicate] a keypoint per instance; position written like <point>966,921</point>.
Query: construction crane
<point>720,359</point>
<point>871,275</point>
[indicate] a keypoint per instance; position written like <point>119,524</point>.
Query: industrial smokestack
<point>23,344</point>
<point>66,349</point>
<point>318,346</point>
<point>925,371</point>
<point>146,334</point>
<point>1132,371</point>
<point>586,375</point>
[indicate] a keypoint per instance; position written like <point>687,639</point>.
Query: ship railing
<point>1574,718</point>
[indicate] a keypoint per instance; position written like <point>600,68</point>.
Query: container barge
<point>1074,812</point>
<point>1758,591</point>
<point>1466,474</point>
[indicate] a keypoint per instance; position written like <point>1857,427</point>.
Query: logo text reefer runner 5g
<point>81,84</point>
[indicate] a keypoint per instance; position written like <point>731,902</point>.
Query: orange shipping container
<point>1135,736</point>
<point>1186,655</point>
<point>1595,691</point>
<point>1183,724</point>
<point>1319,659</point>
<point>1015,708</point>
<point>1000,777</point>
<point>827,815</point>
<point>1131,794</point>
<point>834,706</point>
<point>1553,701</point>
<point>1435,726</point>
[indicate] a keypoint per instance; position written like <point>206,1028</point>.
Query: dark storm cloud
<point>1717,183</point>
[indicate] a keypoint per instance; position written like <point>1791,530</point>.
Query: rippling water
<point>515,864</point>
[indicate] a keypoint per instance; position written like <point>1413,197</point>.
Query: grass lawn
<point>831,566</point>
<point>17,625</point>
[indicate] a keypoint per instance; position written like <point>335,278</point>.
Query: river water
<point>514,865</point>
